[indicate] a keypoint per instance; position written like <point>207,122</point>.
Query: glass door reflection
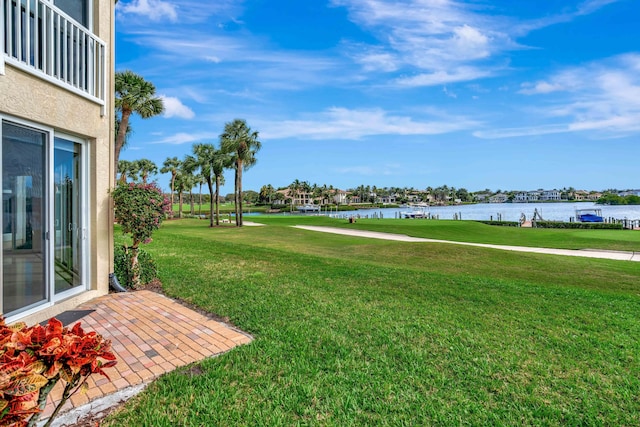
<point>23,220</point>
<point>69,231</point>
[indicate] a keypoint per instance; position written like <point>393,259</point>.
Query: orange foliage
<point>33,359</point>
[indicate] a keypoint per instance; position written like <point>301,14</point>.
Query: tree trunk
<point>191,207</point>
<point>180,205</point>
<point>239,208</point>
<point>122,132</point>
<point>236,200</point>
<point>210,185</point>
<point>217,196</point>
<point>135,266</point>
<point>173,180</point>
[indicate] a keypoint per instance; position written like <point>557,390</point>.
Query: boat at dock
<point>589,215</point>
<point>308,208</point>
<point>419,211</point>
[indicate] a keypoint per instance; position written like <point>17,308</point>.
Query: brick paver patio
<point>150,334</point>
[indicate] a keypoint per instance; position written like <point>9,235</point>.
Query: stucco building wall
<point>26,96</point>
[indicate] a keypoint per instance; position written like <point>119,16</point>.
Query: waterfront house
<point>551,195</point>
<point>56,113</point>
<point>526,197</point>
<point>498,198</point>
<point>481,197</point>
<point>388,199</point>
<point>340,197</point>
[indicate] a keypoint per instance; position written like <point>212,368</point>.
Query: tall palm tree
<point>242,142</point>
<point>171,164</point>
<point>124,169</point>
<point>146,167</point>
<point>212,163</point>
<point>133,95</point>
<point>294,189</point>
<point>203,158</point>
<point>219,163</point>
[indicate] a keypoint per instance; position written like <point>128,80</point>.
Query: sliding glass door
<point>44,229</point>
<point>69,227</point>
<point>24,253</point>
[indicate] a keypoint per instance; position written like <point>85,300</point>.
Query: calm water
<point>507,211</point>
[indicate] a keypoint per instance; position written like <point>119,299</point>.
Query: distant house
<point>580,195</point>
<point>498,198</point>
<point>340,197</point>
<point>300,198</point>
<point>388,200</point>
<point>482,197</point>
<point>551,195</point>
<point>56,114</point>
<point>526,197</point>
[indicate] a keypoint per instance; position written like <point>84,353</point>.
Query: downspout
<point>114,284</point>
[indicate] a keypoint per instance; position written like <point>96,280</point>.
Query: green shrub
<point>583,225</point>
<point>502,223</point>
<point>122,266</point>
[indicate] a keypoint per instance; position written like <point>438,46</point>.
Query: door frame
<point>49,194</point>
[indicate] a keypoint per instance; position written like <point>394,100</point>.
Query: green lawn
<point>476,232</point>
<point>353,331</point>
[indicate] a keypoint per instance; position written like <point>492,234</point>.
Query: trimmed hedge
<point>559,224</point>
<point>502,223</point>
<point>122,266</point>
<point>583,225</point>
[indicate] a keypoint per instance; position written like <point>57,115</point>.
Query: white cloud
<point>440,77</point>
<point>173,107</point>
<point>185,138</point>
<point>431,37</point>
<point>522,131</point>
<point>155,10</point>
<point>343,123</point>
<point>540,87</point>
<point>601,97</point>
<point>378,61</point>
<point>449,93</point>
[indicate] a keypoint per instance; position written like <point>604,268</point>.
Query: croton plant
<point>33,359</point>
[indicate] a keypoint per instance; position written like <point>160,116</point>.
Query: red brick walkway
<point>150,334</point>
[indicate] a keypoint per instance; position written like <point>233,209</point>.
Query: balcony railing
<point>41,39</point>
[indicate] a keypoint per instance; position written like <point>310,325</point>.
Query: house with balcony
<point>340,197</point>
<point>551,196</point>
<point>56,127</point>
<point>499,198</point>
<point>526,197</point>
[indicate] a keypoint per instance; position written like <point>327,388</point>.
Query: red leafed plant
<point>33,359</point>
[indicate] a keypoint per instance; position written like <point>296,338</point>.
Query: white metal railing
<point>42,39</point>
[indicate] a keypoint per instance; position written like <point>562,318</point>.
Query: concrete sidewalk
<point>586,253</point>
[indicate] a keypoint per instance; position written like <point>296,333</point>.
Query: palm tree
<point>133,95</point>
<point>146,167</point>
<point>266,193</point>
<point>203,158</point>
<point>212,163</point>
<point>171,164</point>
<point>200,179</point>
<point>238,139</point>
<point>125,168</point>
<point>220,162</point>
<point>183,183</point>
<point>294,189</point>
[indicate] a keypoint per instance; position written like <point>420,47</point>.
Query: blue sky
<point>476,94</point>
